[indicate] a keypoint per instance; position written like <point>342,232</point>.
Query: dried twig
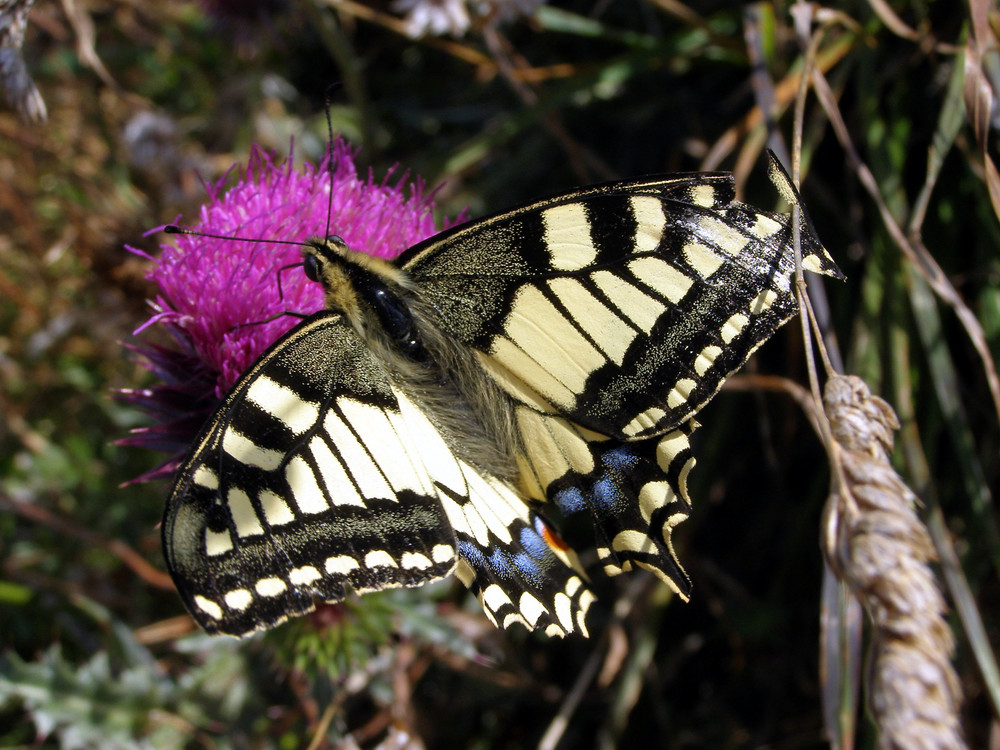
<point>132,559</point>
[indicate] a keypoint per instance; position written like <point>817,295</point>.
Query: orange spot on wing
<point>550,536</point>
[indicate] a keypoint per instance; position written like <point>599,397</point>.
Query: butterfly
<point>419,425</point>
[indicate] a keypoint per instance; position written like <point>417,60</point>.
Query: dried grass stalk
<point>882,550</point>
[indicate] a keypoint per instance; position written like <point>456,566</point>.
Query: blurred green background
<point>146,100</point>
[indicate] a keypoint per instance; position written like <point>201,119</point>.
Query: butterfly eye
<point>336,240</point>
<point>311,266</point>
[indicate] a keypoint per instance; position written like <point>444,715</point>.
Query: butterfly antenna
<point>174,229</point>
<point>332,89</point>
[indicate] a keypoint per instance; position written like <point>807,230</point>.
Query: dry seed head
<point>883,553</point>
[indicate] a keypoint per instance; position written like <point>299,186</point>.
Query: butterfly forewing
<point>624,307</point>
<point>304,484</point>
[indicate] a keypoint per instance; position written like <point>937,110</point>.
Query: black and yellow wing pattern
<point>557,352</point>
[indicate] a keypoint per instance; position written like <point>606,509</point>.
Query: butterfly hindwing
<point>508,555</point>
<point>516,565</point>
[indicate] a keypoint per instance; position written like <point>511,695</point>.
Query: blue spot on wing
<point>569,500</point>
<point>534,544</point>
<point>607,492</point>
<point>529,558</point>
<point>472,554</point>
<point>607,495</point>
<point>527,568</point>
<point>620,459</point>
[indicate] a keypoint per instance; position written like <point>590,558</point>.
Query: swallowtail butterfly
<point>556,352</point>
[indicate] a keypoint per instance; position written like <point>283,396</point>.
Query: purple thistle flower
<point>219,299</point>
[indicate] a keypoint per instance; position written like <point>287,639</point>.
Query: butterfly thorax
<point>444,379</point>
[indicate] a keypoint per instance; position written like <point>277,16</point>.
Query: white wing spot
<point>276,510</point>
<point>814,263</point>
<point>340,565</point>
<point>205,477</point>
<point>644,421</point>
<point>209,607</point>
<point>672,445</point>
<point>732,327</point>
<point>305,489</point>
<point>465,573</point>
<point>238,599</point>
<point>270,586</point>
<point>217,542</point>
<point>563,607</point>
<point>723,236</point>
<point>653,495</point>
<point>303,576</point>
<point>514,618</point>
<point>661,276</point>
<point>495,597</point>
<point>415,561</point>
<point>765,226</point>
<point>702,259</point>
<point>442,553</point>
<point>246,451</point>
<point>763,301</point>
<point>706,359</point>
<point>702,195</point>
<point>284,404</point>
<point>650,221</point>
<point>379,559</point>
<point>586,599</point>
<point>531,608</point>
<point>680,393</point>
<point>635,541</point>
